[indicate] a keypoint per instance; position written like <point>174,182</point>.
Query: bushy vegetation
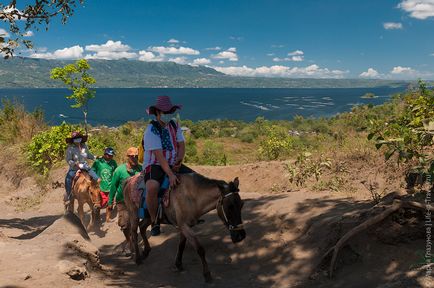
<point>48,147</point>
<point>310,145</point>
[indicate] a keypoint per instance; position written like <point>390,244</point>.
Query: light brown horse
<point>87,190</point>
<point>195,196</point>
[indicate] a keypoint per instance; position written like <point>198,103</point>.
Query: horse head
<point>95,194</point>
<point>229,208</point>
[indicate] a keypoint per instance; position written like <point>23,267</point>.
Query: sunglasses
<point>133,156</point>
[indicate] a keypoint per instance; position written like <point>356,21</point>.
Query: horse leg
<point>81,212</point>
<point>181,246</point>
<point>107,215</point>
<point>192,239</point>
<point>146,247</point>
<point>134,223</point>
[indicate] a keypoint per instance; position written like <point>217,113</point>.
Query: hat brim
<point>152,109</point>
<point>70,140</point>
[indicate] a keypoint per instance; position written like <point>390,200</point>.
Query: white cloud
<point>179,60</point>
<point>296,56</point>
<point>201,61</point>
<point>74,52</point>
<point>402,70</point>
<point>230,54</point>
<point>419,9</point>
<point>108,55</point>
<point>296,53</point>
<point>270,54</point>
<point>236,38</point>
<point>3,33</point>
<point>149,57</point>
<point>173,50</point>
<point>312,71</point>
<point>9,9</point>
<point>392,25</point>
<point>277,46</point>
<point>111,50</point>
<point>217,48</point>
<point>371,73</point>
<point>110,46</point>
<point>28,34</point>
<point>173,41</point>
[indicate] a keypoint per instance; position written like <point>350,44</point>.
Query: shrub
<point>100,140</point>
<point>213,154</point>
<point>190,150</point>
<point>276,144</point>
<point>48,147</point>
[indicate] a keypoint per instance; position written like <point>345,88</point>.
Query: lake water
<point>113,107</point>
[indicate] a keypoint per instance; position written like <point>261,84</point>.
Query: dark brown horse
<point>86,190</point>
<point>195,196</point>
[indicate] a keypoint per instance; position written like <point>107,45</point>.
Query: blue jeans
<point>68,181</point>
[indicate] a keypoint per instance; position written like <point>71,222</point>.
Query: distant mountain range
<point>22,72</point>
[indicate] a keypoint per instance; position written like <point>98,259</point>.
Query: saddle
<point>163,198</point>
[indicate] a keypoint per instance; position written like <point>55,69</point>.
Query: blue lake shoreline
<point>115,106</point>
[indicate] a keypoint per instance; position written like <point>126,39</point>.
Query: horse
<point>193,197</point>
<point>86,190</point>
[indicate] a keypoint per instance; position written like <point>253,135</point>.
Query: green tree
<point>33,15</point>
<point>78,80</point>
<point>408,133</point>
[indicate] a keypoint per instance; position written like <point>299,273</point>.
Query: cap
<point>132,151</point>
<point>109,151</point>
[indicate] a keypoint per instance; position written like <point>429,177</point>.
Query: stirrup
<point>155,230</point>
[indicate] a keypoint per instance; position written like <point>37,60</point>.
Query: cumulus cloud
<point>217,48</point>
<point>74,52</point>
<point>392,25</point>
<point>312,71</point>
<point>179,60</point>
<point>173,50</point>
<point>173,41</point>
<point>402,70</point>
<point>296,56</point>
<point>296,53</point>
<point>371,73</point>
<point>28,34</point>
<point>201,61</point>
<point>109,46</point>
<point>3,33</point>
<point>419,9</point>
<point>230,54</point>
<point>149,56</point>
<point>111,50</point>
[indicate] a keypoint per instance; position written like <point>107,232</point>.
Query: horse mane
<point>205,182</point>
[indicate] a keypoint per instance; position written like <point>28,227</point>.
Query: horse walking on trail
<point>195,196</point>
<point>87,190</point>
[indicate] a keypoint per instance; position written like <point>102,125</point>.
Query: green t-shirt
<point>105,171</point>
<point>119,176</point>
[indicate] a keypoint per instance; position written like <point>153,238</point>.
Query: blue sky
<point>389,39</point>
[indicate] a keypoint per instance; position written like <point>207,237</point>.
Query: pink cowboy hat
<point>163,104</point>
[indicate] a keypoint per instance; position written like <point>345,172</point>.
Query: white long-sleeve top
<point>77,154</point>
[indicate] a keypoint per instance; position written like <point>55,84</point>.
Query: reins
<point>225,220</point>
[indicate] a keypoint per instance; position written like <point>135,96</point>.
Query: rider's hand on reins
<point>173,180</point>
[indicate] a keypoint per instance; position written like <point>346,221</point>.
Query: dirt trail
<point>286,236</point>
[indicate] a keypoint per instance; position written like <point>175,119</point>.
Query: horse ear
<point>236,182</point>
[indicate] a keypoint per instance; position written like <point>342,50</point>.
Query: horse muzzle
<point>238,235</point>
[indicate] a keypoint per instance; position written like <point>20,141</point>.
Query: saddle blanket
<point>138,194</point>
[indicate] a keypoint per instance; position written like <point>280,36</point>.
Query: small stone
<point>28,276</point>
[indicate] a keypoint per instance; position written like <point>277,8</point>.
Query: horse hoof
<point>179,267</point>
<point>146,254</point>
<point>208,277</point>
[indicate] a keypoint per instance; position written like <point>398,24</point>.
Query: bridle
<point>219,207</point>
<point>90,182</point>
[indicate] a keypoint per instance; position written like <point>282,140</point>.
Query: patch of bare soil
<point>288,234</point>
